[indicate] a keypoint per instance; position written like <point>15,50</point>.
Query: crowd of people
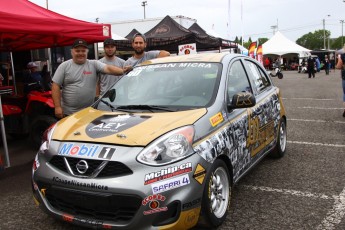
<point>77,81</point>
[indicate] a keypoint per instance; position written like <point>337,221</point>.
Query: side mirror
<point>242,100</point>
<point>111,94</point>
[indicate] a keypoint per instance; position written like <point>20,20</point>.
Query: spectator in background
<point>317,64</point>
<point>34,79</point>
<point>340,65</point>
<point>326,64</point>
<point>311,67</point>
<point>267,63</point>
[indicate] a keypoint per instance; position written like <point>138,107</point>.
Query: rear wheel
<point>280,75</point>
<point>216,196</point>
<point>37,128</point>
<point>279,149</point>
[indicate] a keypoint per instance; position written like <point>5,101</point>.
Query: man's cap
<point>79,42</point>
<point>109,41</point>
<point>139,35</point>
<point>31,65</point>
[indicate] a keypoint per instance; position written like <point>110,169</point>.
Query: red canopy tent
<point>25,26</point>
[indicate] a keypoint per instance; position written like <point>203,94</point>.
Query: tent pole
<point>13,75</point>
<point>49,65</point>
<point>3,134</point>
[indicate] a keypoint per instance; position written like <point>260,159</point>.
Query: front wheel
<point>216,196</point>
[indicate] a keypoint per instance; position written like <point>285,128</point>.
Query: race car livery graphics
<point>109,124</point>
<point>167,173</point>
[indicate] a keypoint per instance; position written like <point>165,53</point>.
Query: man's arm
<point>114,70</point>
<point>56,95</point>
<point>163,53</point>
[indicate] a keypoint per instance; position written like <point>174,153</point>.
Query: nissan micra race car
<point>162,148</point>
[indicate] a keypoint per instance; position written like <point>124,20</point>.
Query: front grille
<point>111,169</point>
<point>94,205</point>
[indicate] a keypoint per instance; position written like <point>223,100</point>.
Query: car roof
<point>205,57</point>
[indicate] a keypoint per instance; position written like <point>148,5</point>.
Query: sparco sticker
<point>109,124</point>
<point>168,173</point>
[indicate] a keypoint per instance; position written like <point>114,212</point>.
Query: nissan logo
<point>82,166</point>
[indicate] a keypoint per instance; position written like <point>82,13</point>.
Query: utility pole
<point>144,3</point>
<point>324,32</point>
<point>342,29</point>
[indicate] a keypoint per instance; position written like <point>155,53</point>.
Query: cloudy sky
<point>247,18</point>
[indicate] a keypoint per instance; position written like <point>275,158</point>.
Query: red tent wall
<point>26,26</point>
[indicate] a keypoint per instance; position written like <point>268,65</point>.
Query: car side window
<point>260,79</point>
<point>237,80</point>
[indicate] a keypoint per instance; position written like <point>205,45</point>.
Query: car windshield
<point>164,87</point>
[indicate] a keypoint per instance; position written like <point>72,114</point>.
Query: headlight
<point>171,147</point>
<point>47,135</point>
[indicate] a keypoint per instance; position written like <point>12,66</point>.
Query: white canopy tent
<point>281,46</point>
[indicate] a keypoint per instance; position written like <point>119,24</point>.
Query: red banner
<point>251,50</point>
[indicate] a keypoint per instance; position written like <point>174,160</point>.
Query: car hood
<point>135,129</point>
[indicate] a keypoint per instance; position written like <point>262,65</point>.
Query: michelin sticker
<point>109,124</point>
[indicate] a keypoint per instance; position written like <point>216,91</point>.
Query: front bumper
<point>144,197</point>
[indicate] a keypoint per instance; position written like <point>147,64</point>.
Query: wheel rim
<point>282,136</point>
<point>219,192</point>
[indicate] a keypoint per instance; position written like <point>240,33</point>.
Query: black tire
<point>37,128</point>
<point>216,196</point>
<point>280,148</point>
<point>280,75</point>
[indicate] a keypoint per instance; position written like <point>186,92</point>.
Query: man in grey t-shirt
<point>106,80</point>
<point>78,79</point>
<point>139,45</point>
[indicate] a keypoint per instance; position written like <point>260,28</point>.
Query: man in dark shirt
<point>311,67</point>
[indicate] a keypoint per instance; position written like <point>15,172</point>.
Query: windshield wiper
<point>145,107</point>
<point>108,104</point>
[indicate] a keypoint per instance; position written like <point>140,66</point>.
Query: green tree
<point>236,40</point>
<point>262,40</point>
<point>337,43</point>
<point>314,40</point>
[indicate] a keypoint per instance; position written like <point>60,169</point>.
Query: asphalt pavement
<point>303,190</point>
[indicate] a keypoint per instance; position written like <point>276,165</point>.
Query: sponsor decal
<point>199,174</point>
<point>75,183</point>
<point>84,150</point>
<point>154,205</point>
<point>88,221</point>
<point>191,203</point>
<point>216,119</point>
<point>167,173</point>
<point>191,218</point>
<point>170,184</point>
<point>153,197</point>
<point>77,150</point>
<point>43,191</point>
<point>107,125</point>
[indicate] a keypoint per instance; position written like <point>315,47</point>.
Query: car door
<point>264,116</point>
<point>238,120</point>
